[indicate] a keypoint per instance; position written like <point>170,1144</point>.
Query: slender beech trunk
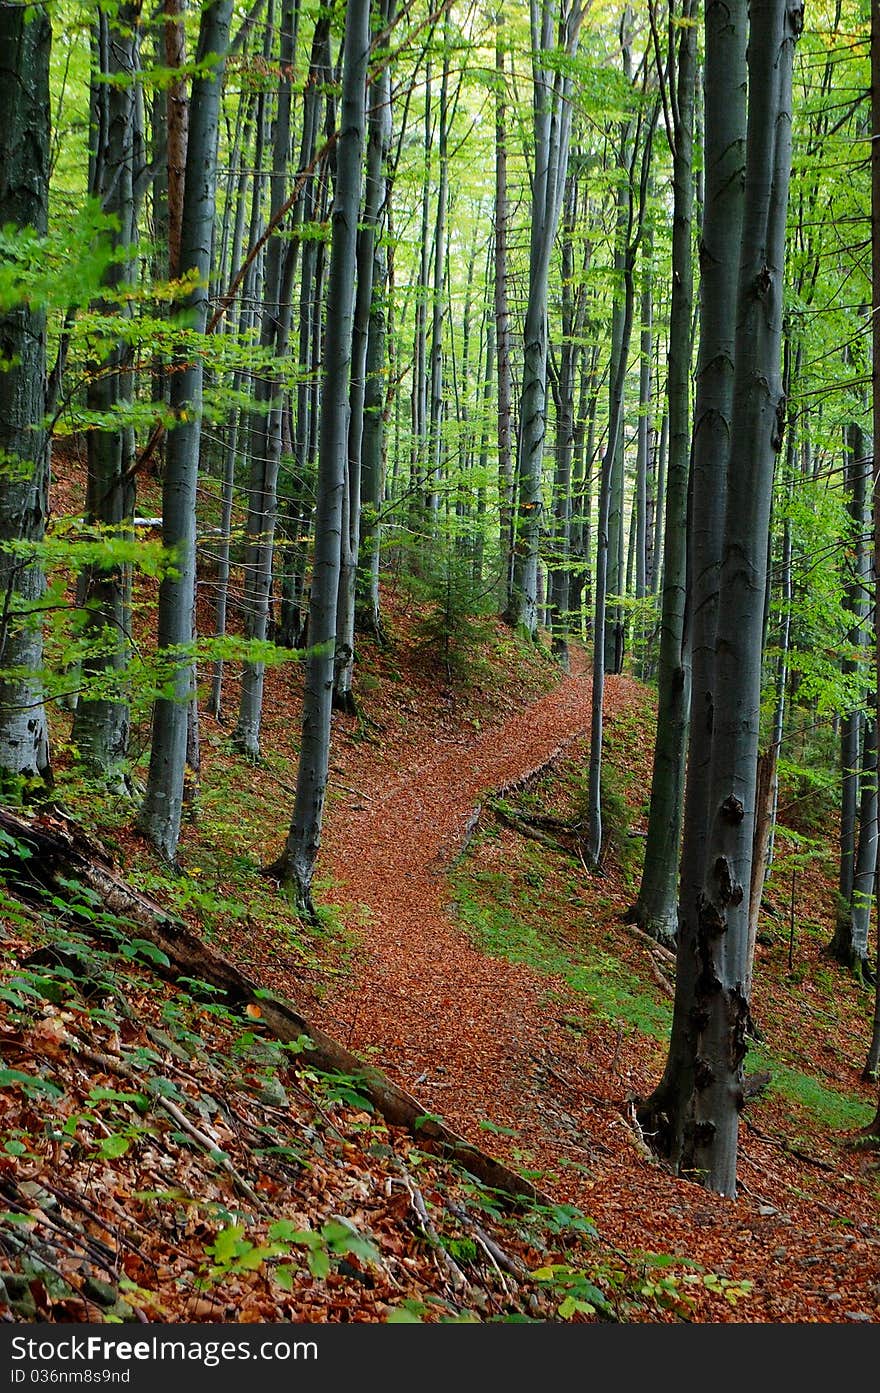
<point>418,499</point>
<point>378,139</point>
<point>483,455</point>
<point>502,323</point>
<point>297,861</point>
<point>176,126</point>
<point>600,580</point>
<point>101,719</point>
<point>368,617</point>
<point>234,427</point>
<point>643,445</point>
<point>552,115</point>
<point>694,1116</point>
<point>25,42</point>
<point>613,614</point>
<point>852,726</point>
<point>435,390</point>
<point>311,207</point>
<point>269,399</point>
<point>163,802</point>
<point>659,504</point>
<point>873,1060</point>
<point>603,631</point>
<point>564,382</point>
<point>656,908</point>
<point>865,868</point>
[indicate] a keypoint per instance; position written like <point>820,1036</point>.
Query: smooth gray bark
<point>378,141</point>
<point>852,727</point>
<point>25,42</point>
<point>101,720</point>
<point>502,324</point>
<point>163,802</point>
<point>696,1123</point>
<point>296,864</point>
<point>368,612</point>
<point>552,116</point>
<point>656,908</point>
<point>266,435</point>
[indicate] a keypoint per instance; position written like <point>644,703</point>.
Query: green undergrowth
<point>524,919</point>
<point>493,911</point>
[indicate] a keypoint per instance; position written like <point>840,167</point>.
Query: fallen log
<point>55,850</point>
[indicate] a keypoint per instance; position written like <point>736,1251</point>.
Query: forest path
<point>482,1040</point>
<point>460,1029</point>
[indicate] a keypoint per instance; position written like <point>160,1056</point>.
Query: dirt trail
<point>479,1039</point>
<point>460,1028</point>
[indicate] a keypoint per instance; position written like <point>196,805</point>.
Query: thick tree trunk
<point>163,802</point>
<point>25,42</point>
<point>297,861</point>
<point>694,1113</point>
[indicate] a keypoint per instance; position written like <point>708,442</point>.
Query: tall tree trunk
<point>368,612</point>
<point>269,398</point>
<point>852,724</point>
<point>163,802</point>
<point>418,498</point>
<point>660,503</point>
<point>378,139</point>
<point>101,721</point>
<point>502,323</point>
<point>696,1123</point>
<point>656,908</point>
<point>644,434</point>
<point>564,381</point>
<point>435,392</point>
<point>296,864</point>
<point>176,126</point>
<point>25,42</point>
<point>552,115</point>
<point>311,207</point>
<point>600,580</point>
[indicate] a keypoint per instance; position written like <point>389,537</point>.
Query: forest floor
<point>485,970</point>
<point>516,1002</point>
